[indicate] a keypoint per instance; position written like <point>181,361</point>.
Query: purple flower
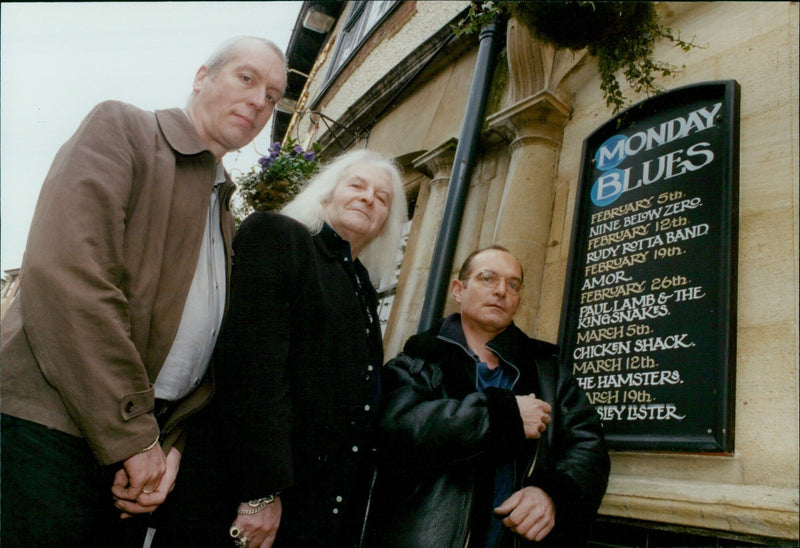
<point>309,156</point>
<point>274,154</point>
<point>265,162</point>
<point>276,146</point>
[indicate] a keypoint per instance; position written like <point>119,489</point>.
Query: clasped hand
<point>145,480</point>
<point>535,415</point>
<point>530,513</point>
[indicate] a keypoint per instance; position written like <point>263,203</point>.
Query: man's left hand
<point>147,503</point>
<point>529,512</point>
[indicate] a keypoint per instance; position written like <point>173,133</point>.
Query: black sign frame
<point>699,301</point>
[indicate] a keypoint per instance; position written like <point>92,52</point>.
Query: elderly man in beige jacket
<point>123,288</point>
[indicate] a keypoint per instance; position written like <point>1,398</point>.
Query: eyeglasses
<point>491,279</point>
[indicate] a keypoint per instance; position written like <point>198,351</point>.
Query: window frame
<point>361,23</point>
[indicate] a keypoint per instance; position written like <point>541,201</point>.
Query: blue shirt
<point>504,376</point>
<point>499,377</point>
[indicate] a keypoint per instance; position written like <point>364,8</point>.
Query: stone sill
<point>747,509</point>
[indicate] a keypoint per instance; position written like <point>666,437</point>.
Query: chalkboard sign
<point>648,325</point>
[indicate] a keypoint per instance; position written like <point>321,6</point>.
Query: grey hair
<point>228,50</point>
<point>380,255</point>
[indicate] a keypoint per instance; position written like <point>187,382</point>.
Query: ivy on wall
<point>620,35</point>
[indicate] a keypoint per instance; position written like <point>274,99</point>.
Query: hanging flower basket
<point>621,35</point>
<point>279,176</point>
<point>577,25</point>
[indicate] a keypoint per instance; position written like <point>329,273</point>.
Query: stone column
<point>438,165</point>
<point>534,124</point>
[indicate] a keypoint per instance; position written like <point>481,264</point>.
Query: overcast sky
<point>57,60</point>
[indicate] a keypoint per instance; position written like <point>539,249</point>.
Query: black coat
<point>441,441</point>
<point>297,369</point>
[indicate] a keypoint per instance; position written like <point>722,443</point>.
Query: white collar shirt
<point>188,359</point>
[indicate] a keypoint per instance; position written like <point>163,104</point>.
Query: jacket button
<point>339,498</point>
<point>355,449</point>
<point>129,407</point>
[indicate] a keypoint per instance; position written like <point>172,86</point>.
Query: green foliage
<point>479,15</point>
<point>632,54</point>
<point>278,177</point>
<point>498,85</point>
<point>620,35</point>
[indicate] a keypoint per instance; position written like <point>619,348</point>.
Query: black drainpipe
<point>446,240</point>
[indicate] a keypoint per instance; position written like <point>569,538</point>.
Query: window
<point>363,18</point>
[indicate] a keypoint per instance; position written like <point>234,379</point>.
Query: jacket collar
<point>452,331</point>
<point>179,131</point>
<point>511,344</point>
<point>333,245</point>
<point>514,346</point>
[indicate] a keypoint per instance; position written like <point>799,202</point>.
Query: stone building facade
<point>390,76</point>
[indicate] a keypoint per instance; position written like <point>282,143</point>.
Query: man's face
<point>360,205</point>
<point>487,306</point>
<point>230,108</point>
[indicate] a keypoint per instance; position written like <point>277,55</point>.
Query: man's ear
<point>199,78</point>
<point>456,287</point>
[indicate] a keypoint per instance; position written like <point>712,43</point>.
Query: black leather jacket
<point>441,442</point>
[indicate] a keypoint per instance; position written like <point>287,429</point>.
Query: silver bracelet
<point>257,505</point>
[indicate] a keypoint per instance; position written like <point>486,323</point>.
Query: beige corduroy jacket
<point>110,257</point>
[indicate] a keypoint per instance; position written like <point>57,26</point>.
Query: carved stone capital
<point>437,163</point>
<point>540,117</point>
<point>534,66</point>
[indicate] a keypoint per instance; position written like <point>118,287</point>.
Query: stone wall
<point>755,490</point>
<point>530,157</point>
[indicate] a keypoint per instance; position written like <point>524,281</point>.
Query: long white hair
<point>308,207</point>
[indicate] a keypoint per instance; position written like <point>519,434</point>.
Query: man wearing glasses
<point>487,440</point>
